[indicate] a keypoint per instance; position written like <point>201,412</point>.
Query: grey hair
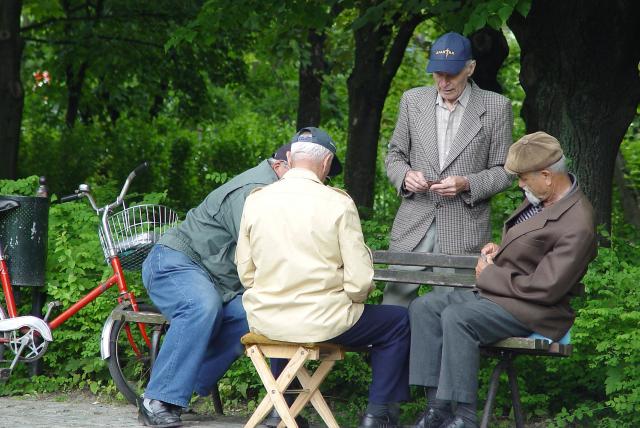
<point>305,149</point>
<point>559,166</point>
<point>469,62</point>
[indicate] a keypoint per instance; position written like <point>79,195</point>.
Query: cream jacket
<point>302,259</point>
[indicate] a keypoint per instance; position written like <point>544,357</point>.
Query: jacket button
<point>438,205</point>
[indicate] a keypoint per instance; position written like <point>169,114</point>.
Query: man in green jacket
<point>191,277</point>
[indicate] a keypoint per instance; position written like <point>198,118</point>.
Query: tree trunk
<point>368,86</point>
<point>579,70</point>
<point>11,92</point>
<point>74,92</point>
<point>490,49</point>
<point>310,76</point>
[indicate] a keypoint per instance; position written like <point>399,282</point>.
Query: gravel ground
<point>86,411</point>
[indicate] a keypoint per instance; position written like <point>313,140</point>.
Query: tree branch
<point>396,53</point>
<point>52,21</point>
<point>106,38</point>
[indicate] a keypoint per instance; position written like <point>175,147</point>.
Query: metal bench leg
<point>493,390</point>
<point>515,394</point>
<point>217,402</point>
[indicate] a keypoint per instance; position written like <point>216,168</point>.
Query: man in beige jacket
<point>302,258</point>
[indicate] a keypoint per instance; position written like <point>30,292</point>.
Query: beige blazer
<point>477,152</point>
<point>540,263</point>
<point>303,260</point>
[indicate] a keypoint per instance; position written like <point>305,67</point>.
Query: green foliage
<point>23,187</point>
<point>630,149</point>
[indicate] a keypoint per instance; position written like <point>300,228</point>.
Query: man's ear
<point>326,163</point>
<point>471,68</point>
<point>289,158</point>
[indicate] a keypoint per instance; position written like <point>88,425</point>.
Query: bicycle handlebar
<point>130,178</point>
<point>70,198</point>
<point>144,165</point>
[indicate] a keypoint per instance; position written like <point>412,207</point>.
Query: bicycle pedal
<point>5,374</point>
<point>50,306</point>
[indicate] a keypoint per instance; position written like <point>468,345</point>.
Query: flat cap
<point>533,152</point>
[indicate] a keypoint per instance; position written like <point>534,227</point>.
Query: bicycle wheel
<point>130,358</point>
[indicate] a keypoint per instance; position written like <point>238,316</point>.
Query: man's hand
<point>415,182</point>
<point>490,250</point>
<point>487,253</point>
<point>483,262</point>
<point>451,186</point>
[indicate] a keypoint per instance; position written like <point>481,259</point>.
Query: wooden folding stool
<point>258,348</point>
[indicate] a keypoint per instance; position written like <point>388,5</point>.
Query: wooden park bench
<point>461,274</point>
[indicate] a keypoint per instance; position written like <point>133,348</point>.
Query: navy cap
<point>449,53</point>
<point>281,153</point>
<point>319,136</point>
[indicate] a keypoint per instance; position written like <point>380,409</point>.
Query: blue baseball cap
<point>319,136</point>
<point>449,54</point>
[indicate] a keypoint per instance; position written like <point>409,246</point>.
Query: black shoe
<point>158,414</point>
<point>370,421</point>
<point>455,422</point>
<point>273,420</point>
<point>432,418</point>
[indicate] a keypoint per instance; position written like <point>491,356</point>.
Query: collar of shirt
<point>463,99</point>
<point>302,173</point>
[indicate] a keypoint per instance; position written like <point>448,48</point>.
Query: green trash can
<point>23,234</point>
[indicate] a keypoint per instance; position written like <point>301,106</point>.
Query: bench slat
<point>424,259</point>
<point>424,277</point>
<point>522,343</point>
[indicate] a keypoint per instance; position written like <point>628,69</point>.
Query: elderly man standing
<point>190,275</point>
<point>301,255</point>
<point>523,286</point>
<point>446,160</point>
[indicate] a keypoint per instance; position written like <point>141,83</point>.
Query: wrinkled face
<point>451,86</point>
<point>537,183</point>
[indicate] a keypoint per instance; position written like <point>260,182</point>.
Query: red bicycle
<point>132,333</point>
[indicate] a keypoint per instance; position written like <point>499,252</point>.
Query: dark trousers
<point>446,332</point>
<point>384,329</point>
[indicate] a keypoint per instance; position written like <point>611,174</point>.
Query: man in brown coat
<point>523,286</point>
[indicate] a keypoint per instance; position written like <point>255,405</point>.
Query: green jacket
<point>210,232</point>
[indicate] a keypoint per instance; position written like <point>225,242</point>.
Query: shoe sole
<point>146,422</point>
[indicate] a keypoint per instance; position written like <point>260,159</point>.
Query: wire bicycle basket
<point>134,230</point>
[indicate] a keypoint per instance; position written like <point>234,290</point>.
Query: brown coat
<point>540,263</point>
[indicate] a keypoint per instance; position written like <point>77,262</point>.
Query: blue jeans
<point>203,339</point>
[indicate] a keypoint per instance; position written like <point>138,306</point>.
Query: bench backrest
<point>463,274</point>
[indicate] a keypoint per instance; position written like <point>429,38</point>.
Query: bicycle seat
<point>10,324</point>
<point>8,204</point>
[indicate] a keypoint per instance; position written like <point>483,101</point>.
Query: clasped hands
<point>415,182</point>
<point>487,253</point>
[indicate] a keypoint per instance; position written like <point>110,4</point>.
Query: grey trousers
<point>402,293</point>
<point>446,332</point>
